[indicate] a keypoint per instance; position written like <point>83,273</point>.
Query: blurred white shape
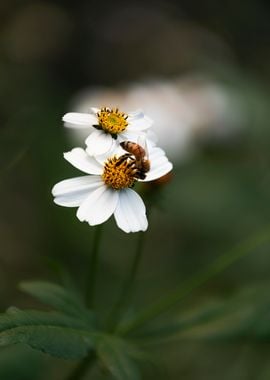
<point>215,111</point>
<point>184,110</point>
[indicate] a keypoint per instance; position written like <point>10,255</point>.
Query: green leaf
<point>175,325</point>
<point>15,317</point>
<point>61,342</point>
<point>115,354</point>
<point>218,266</point>
<point>49,332</point>
<point>59,298</point>
<point>245,314</point>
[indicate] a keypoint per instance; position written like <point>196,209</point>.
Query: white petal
<point>152,137</point>
<point>82,161</point>
<point>159,164</point>
<point>159,171</point>
<point>139,124</point>
<point>136,114</point>
<point>130,213</point>
<point>99,142</point>
<point>98,206</point>
<point>71,192</point>
<point>154,152</point>
<point>79,120</point>
<point>130,136</point>
<point>94,110</point>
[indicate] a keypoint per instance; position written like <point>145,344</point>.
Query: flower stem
<point>83,367</point>
<point>128,286</point>
<point>219,265</point>
<point>93,263</point>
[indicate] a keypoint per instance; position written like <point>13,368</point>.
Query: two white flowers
<point>113,161</point>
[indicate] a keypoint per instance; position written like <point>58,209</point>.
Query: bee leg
<point>97,126</point>
<point>122,159</point>
<point>140,175</point>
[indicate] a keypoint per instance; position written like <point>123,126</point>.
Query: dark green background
<point>217,198</point>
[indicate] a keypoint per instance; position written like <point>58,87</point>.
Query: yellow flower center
<point>119,172</point>
<point>112,120</point>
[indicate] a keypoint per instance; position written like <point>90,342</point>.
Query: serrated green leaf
<point>114,354</point>
<point>61,342</point>
<point>59,298</point>
<point>15,317</point>
<point>49,332</point>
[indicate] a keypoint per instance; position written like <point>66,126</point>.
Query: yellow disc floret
<point>112,120</point>
<point>119,172</point>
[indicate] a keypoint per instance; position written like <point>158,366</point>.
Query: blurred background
<point>201,70</point>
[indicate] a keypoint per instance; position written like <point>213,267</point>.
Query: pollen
<point>112,120</point>
<point>119,172</point>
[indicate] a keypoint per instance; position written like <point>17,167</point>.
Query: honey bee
<point>141,161</point>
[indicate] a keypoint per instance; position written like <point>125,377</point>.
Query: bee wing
<point>142,142</point>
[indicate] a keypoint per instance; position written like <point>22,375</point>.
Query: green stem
<point>223,262</point>
<point>83,367</point>
<point>92,274</point>
<point>128,286</point>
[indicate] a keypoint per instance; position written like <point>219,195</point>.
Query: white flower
<point>109,125</point>
<point>106,190</point>
<point>188,110</point>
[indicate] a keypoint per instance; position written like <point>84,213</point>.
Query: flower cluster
<point>118,153</point>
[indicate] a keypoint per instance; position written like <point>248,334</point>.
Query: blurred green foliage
<point>218,196</point>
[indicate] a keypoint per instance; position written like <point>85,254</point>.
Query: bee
<point>141,161</point>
